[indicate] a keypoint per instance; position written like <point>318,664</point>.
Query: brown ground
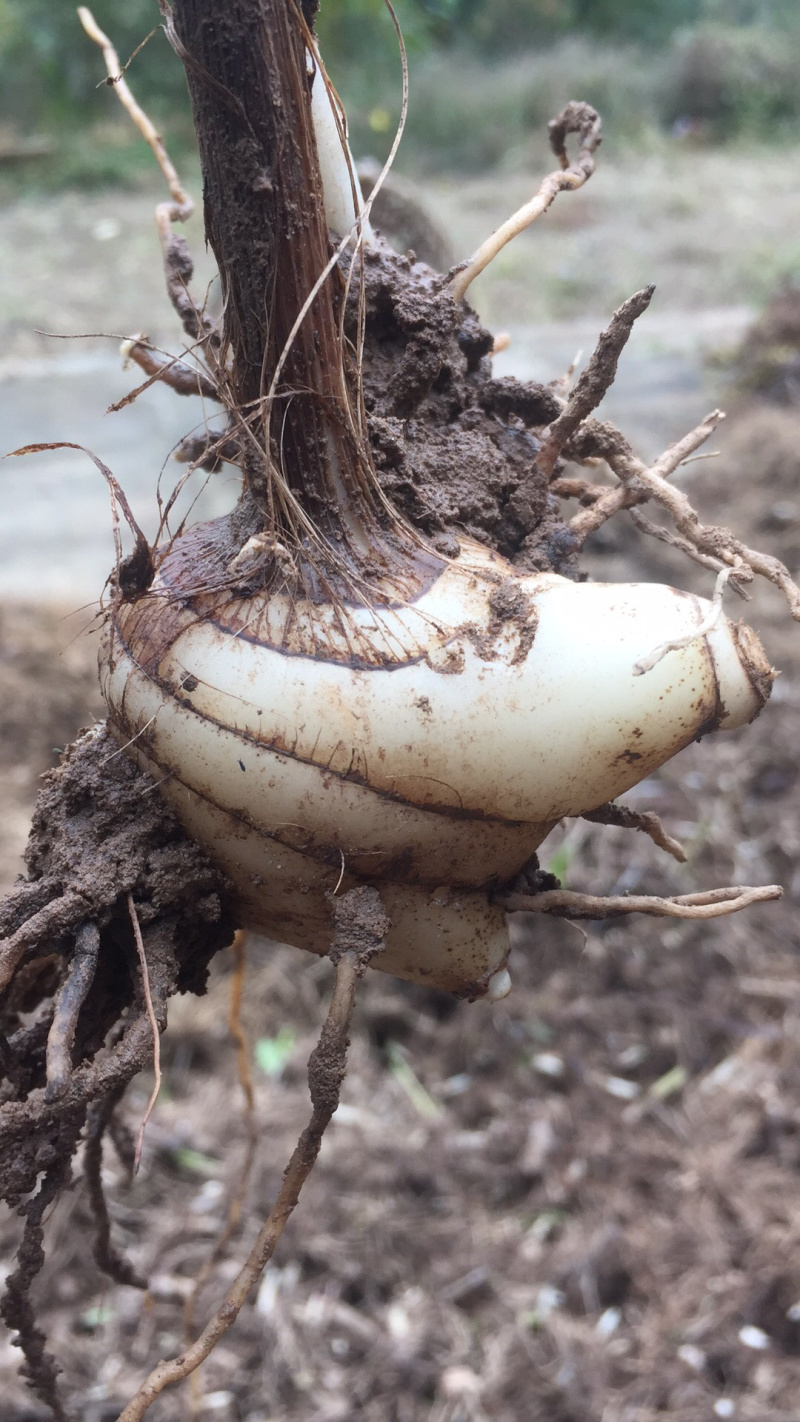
<point>567,1207</point>
<point>769,361</point>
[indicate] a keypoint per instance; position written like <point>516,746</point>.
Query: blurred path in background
<point>714,229</point>
<point>55,532</point>
<point>56,541</point>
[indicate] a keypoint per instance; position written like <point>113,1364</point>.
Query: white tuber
<point>424,741</point>
<point>429,747</point>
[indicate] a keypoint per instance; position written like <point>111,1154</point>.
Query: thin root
<point>235,1021</point>
<point>645,820</point>
<point>575,118</point>
<point>678,644</point>
<point>106,1255</point>
<point>182,204</point>
<point>151,1017</point>
<point>712,903</point>
<point>720,542</point>
<point>236,1206</point>
<point>360,927</point>
<point>638,483</point>
<point>632,472</point>
<point>177,262</point>
<point>134,574</point>
<point>706,560</point>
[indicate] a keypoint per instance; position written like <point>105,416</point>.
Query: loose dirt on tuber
<point>377,450</point>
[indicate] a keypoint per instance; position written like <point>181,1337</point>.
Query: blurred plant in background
<point>706,70</point>
<point>48,68</point>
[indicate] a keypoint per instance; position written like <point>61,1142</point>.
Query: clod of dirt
<point>454,448</point>
<point>99,834</point>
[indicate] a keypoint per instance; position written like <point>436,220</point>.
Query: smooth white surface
<point>433,779</point>
<point>565,729</point>
<point>339,180</point>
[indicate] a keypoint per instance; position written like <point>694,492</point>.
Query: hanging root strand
<point>107,1257</point>
<point>40,1367</point>
<point>360,928</point>
<point>237,1031</point>
<point>155,1028</point>
<point>711,903</point>
<point>236,1205</point>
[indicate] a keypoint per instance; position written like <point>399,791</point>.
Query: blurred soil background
<point>582,1204</point>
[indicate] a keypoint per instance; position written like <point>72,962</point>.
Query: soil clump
<point>454,448</point>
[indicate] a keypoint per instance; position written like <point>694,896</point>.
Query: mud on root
<point>74,1029</point>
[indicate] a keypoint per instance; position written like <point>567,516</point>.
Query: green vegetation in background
<point>735,81</point>
<point>49,69</point>
<point>51,83</point>
<point>485,76</point>
<point>348,27</point>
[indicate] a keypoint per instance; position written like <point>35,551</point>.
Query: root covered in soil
<point>74,1024</point>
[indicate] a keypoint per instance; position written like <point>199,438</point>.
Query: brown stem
<point>246,65</point>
